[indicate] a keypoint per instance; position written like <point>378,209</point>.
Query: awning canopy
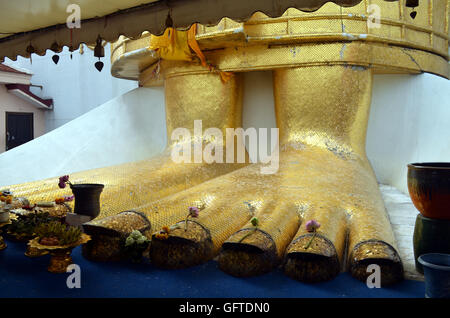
<point>28,26</point>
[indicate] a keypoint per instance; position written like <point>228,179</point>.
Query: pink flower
<point>312,225</point>
<point>64,178</point>
<point>193,211</point>
<point>62,181</point>
<point>68,198</point>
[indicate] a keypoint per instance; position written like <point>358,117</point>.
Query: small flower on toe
<point>135,245</point>
<point>312,225</point>
<point>166,229</point>
<point>163,234</point>
<point>135,234</point>
<point>129,241</point>
<point>193,212</point>
<point>254,221</point>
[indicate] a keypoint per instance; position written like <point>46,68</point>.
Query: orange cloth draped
<point>177,45</point>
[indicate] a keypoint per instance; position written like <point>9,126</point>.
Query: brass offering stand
<point>34,252</point>
<point>2,241</point>
<point>3,245</point>
<point>30,252</point>
<point>60,254</point>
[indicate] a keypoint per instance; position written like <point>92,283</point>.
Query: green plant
<point>25,225</point>
<point>59,233</point>
<point>135,244</point>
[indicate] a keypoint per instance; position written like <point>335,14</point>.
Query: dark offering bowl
<point>429,188</point>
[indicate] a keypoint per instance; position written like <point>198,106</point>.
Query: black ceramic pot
<point>87,198</point>
<point>430,236</point>
<point>437,274</point>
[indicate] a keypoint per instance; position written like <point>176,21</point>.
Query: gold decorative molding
<point>400,45</point>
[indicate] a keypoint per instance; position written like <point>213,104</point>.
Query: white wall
<point>74,84</point>
<point>409,121</point>
<point>130,127</point>
<point>259,110</point>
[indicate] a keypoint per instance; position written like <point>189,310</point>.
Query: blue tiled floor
<point>21,276</point>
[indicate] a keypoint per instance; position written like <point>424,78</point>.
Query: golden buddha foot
<point>322,63</point>
<point>323,175</point>
<point>132,185</point>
